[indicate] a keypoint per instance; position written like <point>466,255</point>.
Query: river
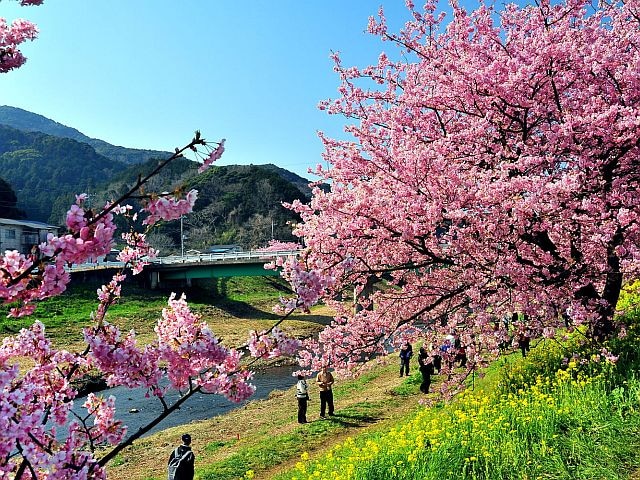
<point>136,411</point>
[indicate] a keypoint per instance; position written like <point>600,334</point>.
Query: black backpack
<point>178,464</point>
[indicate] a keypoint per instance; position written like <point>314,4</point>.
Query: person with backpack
<point>182,460</point>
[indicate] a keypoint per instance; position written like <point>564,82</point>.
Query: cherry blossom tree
<point>493,169</point>
<point>41,435</point>
<point>11,36</point>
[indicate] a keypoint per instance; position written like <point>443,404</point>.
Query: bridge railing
<point>191,259</point>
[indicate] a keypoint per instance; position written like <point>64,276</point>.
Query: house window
<point>11,234</point>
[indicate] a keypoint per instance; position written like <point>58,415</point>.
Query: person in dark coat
<point>325,383</point>
<point>460,351</point>
<point>524,343</point>
<point>426,369</point>
<point>182,461</point>
<point>406,352</point>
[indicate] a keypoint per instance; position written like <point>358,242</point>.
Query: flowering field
<point>556,428</point>
<point>579,422</point>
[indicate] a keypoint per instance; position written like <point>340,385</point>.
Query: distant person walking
<point>325,383</point>
<point>426,369</point>
<point>302,394</point>
<point>182,460</point>
<point>406,352</point>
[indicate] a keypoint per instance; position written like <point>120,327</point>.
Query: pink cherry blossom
<point>491,169</point>
<point>215,154</point>
<point>169,207</point>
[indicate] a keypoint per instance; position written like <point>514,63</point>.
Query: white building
<point>22,235</point>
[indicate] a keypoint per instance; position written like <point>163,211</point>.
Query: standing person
<point>460,351</point>
<point>182,460</point>
<point>302,394</point>
<point>524,343</point>
<point>406,352</point>
<point>325,382</point>
<point>426,369</point>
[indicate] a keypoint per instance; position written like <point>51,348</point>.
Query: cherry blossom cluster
<point>168,207</point>
<point>106,429</point>
<point>30,427</point>
<point>308,284</point>
<point>491,175</point>
<point>88,239</point>
<point>272,344</point>
<point>137,252</point>
<point>215,154</point>
<point>120,359</point>
<point>194,356</point>
<point>280,246</point>
<point>108,295</point>
<point>11,36</point>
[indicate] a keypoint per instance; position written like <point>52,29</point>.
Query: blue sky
<point>148,73</point>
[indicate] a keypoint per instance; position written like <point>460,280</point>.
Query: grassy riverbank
<point>539,417</point>
<point>263,436</point>
<point>232,307</point>
<point>520,421</point>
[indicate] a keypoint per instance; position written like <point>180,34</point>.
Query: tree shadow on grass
<point>355,420</point>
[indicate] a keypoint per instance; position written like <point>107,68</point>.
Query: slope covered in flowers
<point>565,412</point>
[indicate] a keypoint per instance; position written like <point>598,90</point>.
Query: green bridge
<point>191,267</point>
<point>236,264</point>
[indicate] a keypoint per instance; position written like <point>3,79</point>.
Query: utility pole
<point>181,236</point>
<point>272,225</point>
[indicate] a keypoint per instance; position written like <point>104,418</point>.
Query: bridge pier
<point>155,279</point>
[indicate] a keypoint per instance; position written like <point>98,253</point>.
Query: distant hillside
<point>32,122</point>
<point>41,167</point>
<point>301,183</point>
<point>239,204</point>
<point>242,204</point>
<point>46,163</point>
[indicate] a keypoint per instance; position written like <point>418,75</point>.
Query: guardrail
<point>192,259</point>
<point>220,257</point>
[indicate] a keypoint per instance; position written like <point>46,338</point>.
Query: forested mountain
<point>301,183</point>
<point>41,167</point>
<point>32,122</point>
<point>242,204</point>
<point>237,204</point>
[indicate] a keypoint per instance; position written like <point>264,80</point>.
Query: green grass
<point>217,445</point>
<point>74,307</point>
<point>277,449</point>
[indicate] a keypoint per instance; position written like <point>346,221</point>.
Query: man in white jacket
<point>302,394</point>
